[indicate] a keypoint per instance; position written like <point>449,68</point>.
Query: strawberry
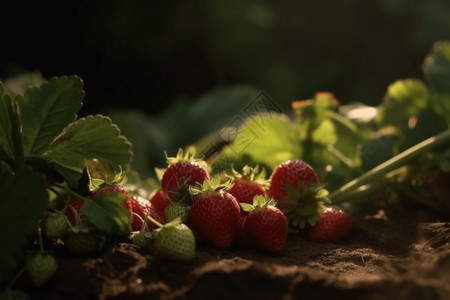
<point>295,186</point>
<point>177,209</point>
<point>74,213</point>
<point>143,208</point>
<point>84,241</point>
<point>249,183</point>
<point>241,237</point>
<point>40,267</point>
<point>214,214</point>
<point>183,170</point>
<point>114,189</point>
<point>142,239</point>
<point>159,200</point>
<point>266,225</point>
<point>291,172</point>
<point>175,241</point>
<point>56,225</point>
<point>334,225</point>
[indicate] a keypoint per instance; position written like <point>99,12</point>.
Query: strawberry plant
<point>361,153</point>
<point>49,156</point>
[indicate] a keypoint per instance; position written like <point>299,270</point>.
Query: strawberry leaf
<point>437,67</point>
<point>107,213</point>
<point>404,98</point>
<point>20,209</point>
<point>6,143</point>
<point>46,110</point>
<point>93,137</point>
<point>268,140</point>
<point>378,149</point>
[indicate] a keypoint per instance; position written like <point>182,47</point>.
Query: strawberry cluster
<point>245,209</point>
<point>233,209</point>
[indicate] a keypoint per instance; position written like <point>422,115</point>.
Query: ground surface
<point>386,256</point>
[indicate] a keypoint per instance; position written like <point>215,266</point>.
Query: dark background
<point>146,54</point>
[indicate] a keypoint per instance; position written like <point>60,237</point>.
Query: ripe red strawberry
<point>76,205</point>
<point>159,200</point>
<point>294,185</point>
<point>114,189</point>
<point>266,225</point>
<point>184,169</point>
<point>334,225</point>
<point>241,238</point>
<point>143,208</point>
<point>291,172</point>
<point>248,184</point>
<point>214,214</point>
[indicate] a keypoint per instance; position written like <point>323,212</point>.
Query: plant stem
<point>395,162</point>
<point>72,192</point>
<point>41,245</point>
<point>154,221</point>
<point>17,133</point>
<point>15,279</point>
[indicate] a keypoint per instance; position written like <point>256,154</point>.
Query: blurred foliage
<point>145,54</point>
<point>183,124</point>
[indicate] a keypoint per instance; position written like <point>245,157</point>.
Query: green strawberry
<point>84,241</point>
<point>175,241</point>
<point>56,225</point>
<point>142,239</point>
<point>40,267</point>
<point>177,209</point>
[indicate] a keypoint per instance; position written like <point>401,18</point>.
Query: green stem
<point>15,279</point>
<point>397,161</point>
<point>154,221</point>
<point>17,134</point>
<point>72,192</point>
<point>41,245</point>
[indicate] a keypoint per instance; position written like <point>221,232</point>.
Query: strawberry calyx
<point>251,174</point>
<point>209,187</point>
<point>260,202</point>
<point>187,156</point>
<point>305,204</point>
<point>101,172</point>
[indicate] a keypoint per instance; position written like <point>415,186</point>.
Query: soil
<point>386,256</point>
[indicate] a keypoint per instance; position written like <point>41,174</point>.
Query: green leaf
<point>93,137</point>
<point>46,110</point>
<point>404,98</point>
<point>441,105</point>
<point>325,133</point>
<point>6,143</point>
<point>378,150</point>
<point>23,201</point>
<point>268,140</point>
<point>107,213</point>
<point>437,67</point>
